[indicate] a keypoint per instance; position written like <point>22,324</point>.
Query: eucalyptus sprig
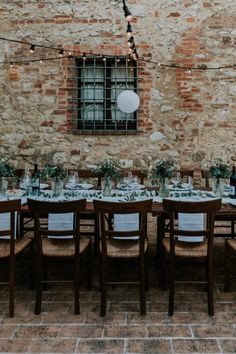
<point>108,168</point>
<point>54,172</point>
<point>220,168</point>
<point>6,169</point>
<point>161,169</point>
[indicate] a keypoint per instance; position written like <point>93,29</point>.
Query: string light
<point>61,52</point>
<point>127,12</point>
<point>84,56</point>
<point>32,48</point>
<point>133,56</point>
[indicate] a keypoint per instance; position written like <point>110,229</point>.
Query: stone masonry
<point>189,116</point>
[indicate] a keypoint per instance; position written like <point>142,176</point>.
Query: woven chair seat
<point>124,248</point>
<point>187,249</point>
<point>232,244</point>
<point>62,248</point>
<point>20,245</point>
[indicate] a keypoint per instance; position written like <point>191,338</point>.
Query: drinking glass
<point>176,179</point>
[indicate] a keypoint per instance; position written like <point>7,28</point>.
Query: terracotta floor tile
<point>52,345</point>
<point>187,346</point>
<point>149,346</point>
<point>125,331</point>
<point>7,331</point>
<point>228,346</point>
<point>112,317</point>
<point>14,345</point>
<point>94,346</point>
<point>169,331</point>
<point>219,331</point>
<point>81,331</point>
<point>37,331</point>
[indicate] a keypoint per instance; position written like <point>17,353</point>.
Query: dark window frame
<point>128,124</point>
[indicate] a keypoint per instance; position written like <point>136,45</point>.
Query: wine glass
<point>176,179</point>
<point>73,179</point>
<point>127,178</point>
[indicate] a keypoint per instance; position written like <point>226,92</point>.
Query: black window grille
<point>96,84</point>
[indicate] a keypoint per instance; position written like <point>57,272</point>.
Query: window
<point>95,87</point>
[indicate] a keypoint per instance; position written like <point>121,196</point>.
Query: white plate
<point>44,185</point>
<point>131,186</point>
<point>80,186</point>
<point>17,193</point>
<point>182,188</point>
<point>233,202</point>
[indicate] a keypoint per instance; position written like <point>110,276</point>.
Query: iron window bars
<point>95,86</point>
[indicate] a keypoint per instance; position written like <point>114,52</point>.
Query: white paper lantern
<point>128,101</point>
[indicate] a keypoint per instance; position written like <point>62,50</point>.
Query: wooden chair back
<point>172,207</point>
<point>41,208</point>
<point>206,176</point>
<point>12,207</point>
<point>105,208</point>
<point>185,173</point>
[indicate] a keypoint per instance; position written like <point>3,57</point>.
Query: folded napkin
<point>5,224</point>
<point>193,222</point>
<point>126,222</point>
<point>60,222</point>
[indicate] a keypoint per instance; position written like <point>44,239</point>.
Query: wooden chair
<point>230,264</point>
<point>89,219</point>
<point>10,246</point>
<point>174,250</point>
<point>228,220</point>
<point>114,246</point>
<point>59,248</point>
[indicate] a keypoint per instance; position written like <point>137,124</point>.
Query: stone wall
<point>189,116</point>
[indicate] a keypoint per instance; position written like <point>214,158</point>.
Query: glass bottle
<point>233,184</point>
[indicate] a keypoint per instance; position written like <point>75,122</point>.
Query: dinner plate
<point>16,193</point>
<point>79,186</point>
<point>42,186</point>
<point>233,202</point>
<point>182,188</point>
<point>131,186</point>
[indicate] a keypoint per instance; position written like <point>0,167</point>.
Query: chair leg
<point>210,291</point>
<point>171,288</point>
<point>32,267</point>
<point>89,266</point>
<point>11,287</point>
<point>103,287</point>
<point>38,288</point>
<point>77,285</point>
<point>142,287</point>
<point>227,267</point>
<point>97,236</point>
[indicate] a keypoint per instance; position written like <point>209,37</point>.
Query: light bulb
<point>32,48</point>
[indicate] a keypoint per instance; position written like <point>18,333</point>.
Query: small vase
<point>57,188</point>
<point>3,185</point>
<point>107,187</point>
<point>218,188</point>
<point>163,187</point>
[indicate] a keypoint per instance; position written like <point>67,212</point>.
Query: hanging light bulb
<point>127,12</point>
<point>32,48</point>
<point>84,56</point>
<point>129,30</point>
<point>11,65</point>
<point>189,71</point>
<point>61,52</point>
<point>41,61</point>
<point>221,70</point>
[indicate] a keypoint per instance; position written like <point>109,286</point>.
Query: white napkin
<point>5,224</point>
<point>126,222</point>
<point>191,222</point>
<point>60,222</point>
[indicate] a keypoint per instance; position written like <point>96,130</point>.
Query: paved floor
<point>58,330</point>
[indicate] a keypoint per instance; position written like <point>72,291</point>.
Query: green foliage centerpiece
<point>160,172</point>
<point>57,173</point>
<point>6,170</point>
<point>219,170</point>
<point>108,169</point>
